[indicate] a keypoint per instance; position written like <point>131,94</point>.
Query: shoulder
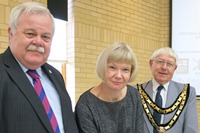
<point>85,95</point>
<point>133,91</point>
<point>86,103</point>
<point>85,99</point>
<point>131,88</point>
<point>1,60</point>
<point>181,86</point>
<point>144,85</point>
<point>5,78</point>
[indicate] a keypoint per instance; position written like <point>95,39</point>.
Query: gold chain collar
<point>179,103</point>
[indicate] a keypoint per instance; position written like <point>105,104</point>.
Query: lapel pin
<point>50,71</point>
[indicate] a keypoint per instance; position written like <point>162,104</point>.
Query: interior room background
<point>92,25</point>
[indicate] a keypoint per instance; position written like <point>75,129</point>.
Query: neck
<point>107,94</point>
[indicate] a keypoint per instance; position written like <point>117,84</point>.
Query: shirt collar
<point>39,70</point>
<point>156,84</point>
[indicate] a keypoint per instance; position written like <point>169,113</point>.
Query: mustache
<point>36,48</point>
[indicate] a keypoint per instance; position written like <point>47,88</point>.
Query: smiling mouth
<point>117,83</point>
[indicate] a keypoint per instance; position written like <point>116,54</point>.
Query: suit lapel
<point>19,77</point>
<point>63,95</point>
<point>172,94</point>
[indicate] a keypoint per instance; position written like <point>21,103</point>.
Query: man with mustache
<point>33,97</point>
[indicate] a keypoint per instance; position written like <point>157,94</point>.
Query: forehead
<point>119,63</point>
<point>39,21</point>
<point>165,57</point>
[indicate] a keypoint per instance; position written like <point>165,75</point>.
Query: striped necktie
<point>158,102</point>
<point>40,91</point>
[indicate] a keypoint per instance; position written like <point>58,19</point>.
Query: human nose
<point>119,73</point>
<point>37,40</point>
<point>164,65</point>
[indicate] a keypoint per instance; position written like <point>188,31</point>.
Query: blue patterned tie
<point>40,91</point>
<point>158,102</point>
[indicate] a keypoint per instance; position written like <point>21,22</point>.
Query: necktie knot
<point>159,88</point>
<point>33,74</point>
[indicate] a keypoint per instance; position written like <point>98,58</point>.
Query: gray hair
<point>28,8</point>
<point>119,52</point>
<point>165,51</point>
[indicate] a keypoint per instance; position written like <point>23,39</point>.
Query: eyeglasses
<point>162,62</point>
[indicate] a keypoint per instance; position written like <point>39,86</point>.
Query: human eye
<point>126,70</point>
<point>29,34</point>
<point>46,38</point>
<point>160,62</point>
<point>170,64</point>
<point>111,67</point>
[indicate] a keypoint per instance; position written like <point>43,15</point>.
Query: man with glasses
<point>169,106</point>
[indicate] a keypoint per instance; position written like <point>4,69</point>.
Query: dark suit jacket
<point>20,108</point>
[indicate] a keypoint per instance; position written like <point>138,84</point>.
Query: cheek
<point>156,68</point>
<point>109,74</point>
<point>171,74</point>
<point>17,45</point>
<point>47,48</point>
<point>126,76</point>
<point>153,69</point>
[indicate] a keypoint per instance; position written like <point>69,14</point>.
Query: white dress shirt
<point>163,94</point>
